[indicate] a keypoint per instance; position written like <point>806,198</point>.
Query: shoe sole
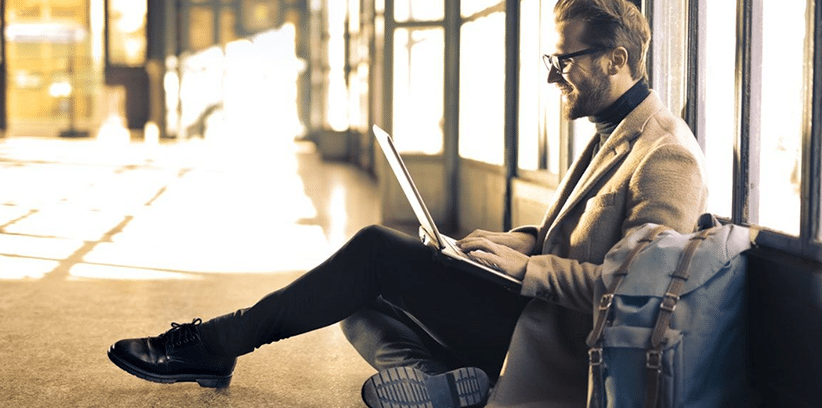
<point>405,387</point>
<point>207,381</point>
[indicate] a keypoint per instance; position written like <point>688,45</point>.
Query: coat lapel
<point>565,188</point>
<point>608,157</point>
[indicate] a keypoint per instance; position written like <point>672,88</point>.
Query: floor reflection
<point>83,209</point>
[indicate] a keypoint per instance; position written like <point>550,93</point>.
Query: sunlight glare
<point>14,268</point>
<point>38,247</point>
<point>111,272</point>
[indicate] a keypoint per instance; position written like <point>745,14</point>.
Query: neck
<point>608,119</point>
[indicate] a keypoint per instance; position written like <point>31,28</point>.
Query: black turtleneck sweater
<point>608,119</point>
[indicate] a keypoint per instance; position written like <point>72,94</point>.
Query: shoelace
<point>180,334</point>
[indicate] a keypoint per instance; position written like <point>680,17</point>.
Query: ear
<point>619,60</point>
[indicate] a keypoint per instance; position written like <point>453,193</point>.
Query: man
<point>433,329</point>
<point>643,165</point>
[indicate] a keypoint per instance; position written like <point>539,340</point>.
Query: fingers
<point>472,244</point>
<point>497,256</point>
<point>485,257</point>
<point>477,234</point>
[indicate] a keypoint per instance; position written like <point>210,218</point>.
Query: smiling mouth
<point>565,89</point>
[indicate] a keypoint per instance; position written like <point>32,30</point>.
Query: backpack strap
<point>667,306</point>
<point>594,339</point>
<point>608,297</point>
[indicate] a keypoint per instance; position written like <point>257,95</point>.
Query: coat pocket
<point>600,201</point>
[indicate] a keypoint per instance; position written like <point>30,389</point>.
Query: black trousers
<point>401,306</point>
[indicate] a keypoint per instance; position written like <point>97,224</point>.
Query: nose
<point>554,76</point>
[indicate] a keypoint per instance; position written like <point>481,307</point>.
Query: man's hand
<point>506,251</point>
<point>522,242</point>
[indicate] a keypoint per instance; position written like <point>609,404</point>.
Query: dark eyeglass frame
<point>557,61</point>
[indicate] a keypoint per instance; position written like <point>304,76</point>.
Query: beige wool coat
<point>650,169</point>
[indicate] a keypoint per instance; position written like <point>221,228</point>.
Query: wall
<point>427,173</point>
<point>481,202</point>
<point>785,315</point>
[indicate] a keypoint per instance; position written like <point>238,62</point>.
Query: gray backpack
<point>669,320</point>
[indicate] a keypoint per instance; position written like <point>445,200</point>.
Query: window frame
<point>808,244</point>
<point>543,175</point>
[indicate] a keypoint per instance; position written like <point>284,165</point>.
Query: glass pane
<point>259,15</point>
<point>408,10</point>
<point>418,91</point>
<point>200,28</point>
<point>127,32</point>
<point>553,122</point>
<point>530,78</point>
<point>53,74</point>
<point>670,23</point>
<point>781,124</point>
<point>482,89</point>
<point>354,16</point>
<point>550,98</point>
<point>582,130</point>
<point>467,8</point>
<point>228,26</point>
<point>719,104</point>
<point>337,98</point>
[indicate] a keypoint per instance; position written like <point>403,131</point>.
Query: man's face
<point>584,85</point>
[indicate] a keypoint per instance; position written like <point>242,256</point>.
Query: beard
<point>585,99</point>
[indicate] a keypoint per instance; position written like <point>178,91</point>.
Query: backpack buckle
<point>595,356</point>
<point>605,301</point>
<point>668,303</point>
<point>653,360</point>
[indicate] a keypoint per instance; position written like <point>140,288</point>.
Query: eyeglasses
<point>559,61</point>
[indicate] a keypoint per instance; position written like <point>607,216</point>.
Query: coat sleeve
<point>666,188</point>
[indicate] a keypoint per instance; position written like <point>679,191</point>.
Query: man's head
<point>600,52</point>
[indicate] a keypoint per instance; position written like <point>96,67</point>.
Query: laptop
<point>429,234</point>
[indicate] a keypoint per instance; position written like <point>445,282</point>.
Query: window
<point>482,89</point>
<point>418,90</point>
<point>407,10</point>
<point>337,99</point>
<point>781,121</point>
<point>718,103</point>
<point>582,131</point>
<point>531,79</point>
<point>668,52</point>
<point>551,119</point>
<point>200,28</point>
<point>126,32</point>
<point>469,8</point>
<point>756,120</point>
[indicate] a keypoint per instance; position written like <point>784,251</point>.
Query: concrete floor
<point>102,240</point>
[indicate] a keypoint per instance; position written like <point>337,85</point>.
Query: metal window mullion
<point>215,10</point>
<point>4,64</point>
<point>812,135</point>
<point>695,67</point>
<point>648,11</point>
<point>388,66</point>
<point>748,84</point>
<point>451,103</point>
<point>512,9</point>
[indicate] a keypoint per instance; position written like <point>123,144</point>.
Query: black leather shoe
<point>406,387</point>
<point>177,355</point>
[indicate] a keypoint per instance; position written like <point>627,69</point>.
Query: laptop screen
<point>407,185</point>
